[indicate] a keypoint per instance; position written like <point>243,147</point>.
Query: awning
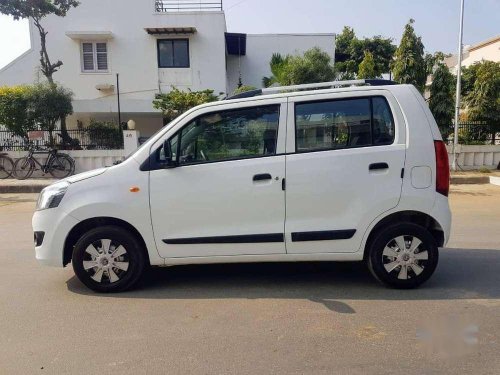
<point>236,44</point>
<point>170,30</point>
<point>89,35</point>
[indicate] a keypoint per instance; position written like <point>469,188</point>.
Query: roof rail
<point>311,86</point>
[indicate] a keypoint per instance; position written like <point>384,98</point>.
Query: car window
<point>339,124</point>
<point>232,134</point>
<point>383,123</point>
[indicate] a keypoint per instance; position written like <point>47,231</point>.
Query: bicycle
<point>6,166</point>
<point>57,164</point>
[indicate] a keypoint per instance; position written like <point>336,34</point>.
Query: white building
<point>487,50</point>
<point>153,45</point>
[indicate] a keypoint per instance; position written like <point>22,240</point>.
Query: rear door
<point>345,156</point>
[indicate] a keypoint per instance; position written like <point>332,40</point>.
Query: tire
<point>61,166</point>
<point>6,167</point>
<point>92,265</point>
<point>23,168</point>
<point>403,269</point>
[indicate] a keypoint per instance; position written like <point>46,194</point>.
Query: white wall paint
<point>260,48</point>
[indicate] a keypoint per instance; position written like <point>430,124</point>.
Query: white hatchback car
<point>349,171</point>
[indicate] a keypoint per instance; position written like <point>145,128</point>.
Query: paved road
<point>257,319</point>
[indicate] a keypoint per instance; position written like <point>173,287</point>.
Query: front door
<point>344,172</point>
<point>224,197</point>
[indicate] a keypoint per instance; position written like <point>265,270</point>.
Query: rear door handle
<point>378,166</point>
<point>262,177</point>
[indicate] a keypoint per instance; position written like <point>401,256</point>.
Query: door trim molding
<point>325,235</point>
<point>244,238</point>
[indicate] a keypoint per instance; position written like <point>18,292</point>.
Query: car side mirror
<point>169,158</point>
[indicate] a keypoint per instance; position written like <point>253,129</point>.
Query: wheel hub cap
<point>106,261</point>
<point>404,257</point>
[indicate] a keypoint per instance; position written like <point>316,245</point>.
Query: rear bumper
<point>442,214</point>
<point>55,224</point>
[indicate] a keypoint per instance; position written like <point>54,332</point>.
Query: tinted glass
<point>165,53</point>
<point>181,53</point>
<point>173,53</point>
<point>248,132</point>
<point>383,123</point>
<point>333,124</point>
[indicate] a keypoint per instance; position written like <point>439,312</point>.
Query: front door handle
<point>378,166</point>
<point>262,177</point>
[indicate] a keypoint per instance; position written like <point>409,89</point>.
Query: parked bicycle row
<point>57,164</point>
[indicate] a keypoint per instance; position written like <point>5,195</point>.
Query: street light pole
<point>459,86</point>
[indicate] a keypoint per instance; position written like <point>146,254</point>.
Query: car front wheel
<point>403,256</point>
<point>108,259</point>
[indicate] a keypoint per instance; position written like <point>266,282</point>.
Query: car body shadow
<point>461,274</point>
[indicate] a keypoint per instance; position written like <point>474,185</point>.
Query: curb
<point>21,189</point>
<point>469,180</point>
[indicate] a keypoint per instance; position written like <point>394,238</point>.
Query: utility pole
<point>459,86</point>
<point>118,98</point>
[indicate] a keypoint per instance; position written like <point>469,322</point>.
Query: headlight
<point>52,195</point>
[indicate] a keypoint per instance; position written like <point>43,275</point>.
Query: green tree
<point>37,10</point>
<point>442,101</point>
<point>47,104</point>
<point>483,101</point>
<point>277,64</point>
<point>409,65</point>
<point>350,52</point>
<point>367,66</point>
<point>314,66</point>
<point>469,76</point>
<point>14,109</point>
<point>176,102</point>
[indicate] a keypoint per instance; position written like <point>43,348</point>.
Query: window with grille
<point>95,57</point>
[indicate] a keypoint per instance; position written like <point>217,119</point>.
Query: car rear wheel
<point>403,256</point>
<point>108,259</point>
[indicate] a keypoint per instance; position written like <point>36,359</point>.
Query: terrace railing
<point>167,6</point>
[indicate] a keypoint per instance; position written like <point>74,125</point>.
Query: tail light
<point>442,168</point>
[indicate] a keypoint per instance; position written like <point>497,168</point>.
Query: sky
<point>437,21</point>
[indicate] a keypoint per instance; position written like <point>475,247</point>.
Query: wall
<point>85,160</point>
<point>475,157</point>
<point>490,52</point>
<point>260,48</point>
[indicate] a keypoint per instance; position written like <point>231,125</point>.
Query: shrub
<point>105,135</point>
<point>14,109</point>
<point>176,102</point>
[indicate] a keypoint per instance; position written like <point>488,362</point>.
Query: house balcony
<point>176,6</point>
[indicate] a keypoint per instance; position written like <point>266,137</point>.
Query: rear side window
<point>345,123</point>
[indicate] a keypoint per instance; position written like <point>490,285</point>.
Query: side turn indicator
<point>134,189</point>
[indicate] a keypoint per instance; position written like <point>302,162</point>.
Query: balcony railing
<point>167,6</point>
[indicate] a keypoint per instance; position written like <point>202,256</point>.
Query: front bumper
<point>56,224</point>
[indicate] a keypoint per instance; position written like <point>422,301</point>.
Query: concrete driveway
<point>315,318</point>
